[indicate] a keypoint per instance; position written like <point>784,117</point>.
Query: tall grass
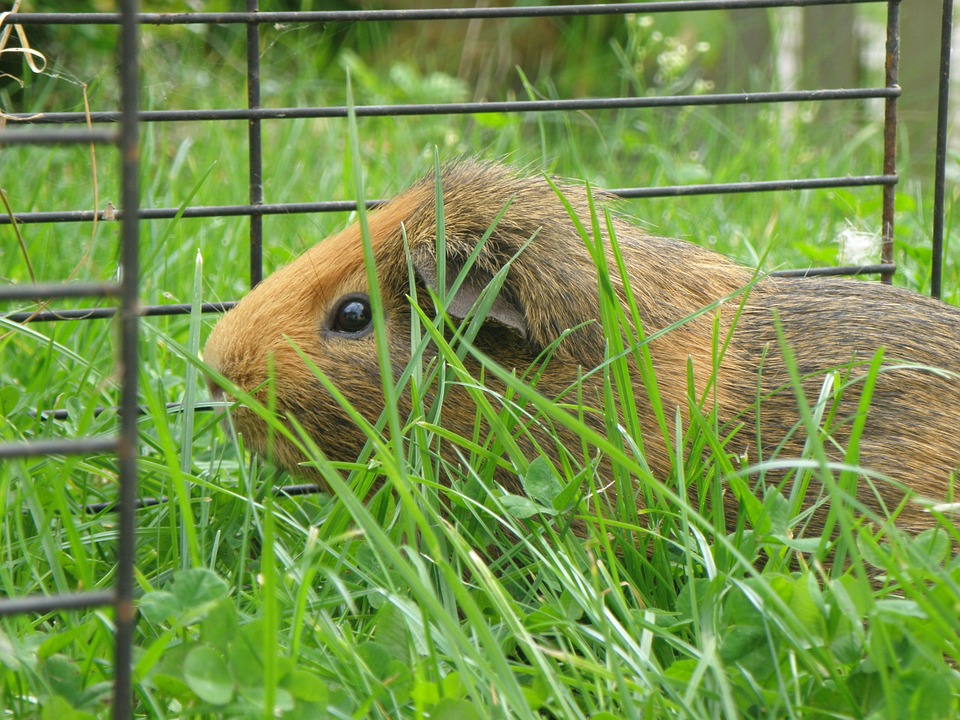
<point>442,595</point>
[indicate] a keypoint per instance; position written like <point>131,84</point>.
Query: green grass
<point>443,595</point>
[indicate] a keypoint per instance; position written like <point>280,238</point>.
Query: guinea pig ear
<point>502,310</point>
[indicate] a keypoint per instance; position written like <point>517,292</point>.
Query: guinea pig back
<point>320,304</point>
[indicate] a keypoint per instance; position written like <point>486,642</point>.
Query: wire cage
<point>122,129</point>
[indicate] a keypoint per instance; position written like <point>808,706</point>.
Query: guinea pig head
<point>318,307</point>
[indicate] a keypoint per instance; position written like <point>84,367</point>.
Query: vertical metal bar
<point>943,109</point>
<point>124,612</point>
<point>892,69</point>
<point>255,145</point>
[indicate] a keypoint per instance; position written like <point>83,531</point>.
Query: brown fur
<point>552,286</point>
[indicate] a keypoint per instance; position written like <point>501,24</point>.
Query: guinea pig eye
<point>352,316</point>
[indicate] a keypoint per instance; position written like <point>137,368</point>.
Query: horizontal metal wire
<point>756,186</point>
<point>471,13</point>
<point>470,108</point>
<point>350,206</point>
<point>51,291</point>
<point>55,315</point>
<point>877,269</point>
<point>289,491</point>
<point>40,604</point>
<point>78,446</point>
<point>139,504</point>
<point>104,313</point>
<point>57,137</point>
<point>64,414</point>
<point>295,490</point>
<point>208,211</point>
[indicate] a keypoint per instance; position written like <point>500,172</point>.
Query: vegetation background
<point>423,603</point>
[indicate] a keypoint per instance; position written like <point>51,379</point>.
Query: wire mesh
<point>55,128</point>
<point>125,444</point>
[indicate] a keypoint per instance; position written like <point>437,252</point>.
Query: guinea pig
<point>320,305</point>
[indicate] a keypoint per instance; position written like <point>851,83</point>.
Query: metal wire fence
<point>122,128</point>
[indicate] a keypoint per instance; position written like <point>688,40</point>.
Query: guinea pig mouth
<point>235,419</point>
<point>220,400</point>
<point>216,392</point>
<point>222,403</point>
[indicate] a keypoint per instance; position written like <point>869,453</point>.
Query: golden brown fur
<point>552,286</point>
